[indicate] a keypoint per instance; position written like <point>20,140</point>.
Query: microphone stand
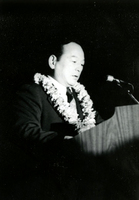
<point>132,97</point>
<point>129,92</point>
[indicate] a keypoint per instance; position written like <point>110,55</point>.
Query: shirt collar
<point>61,88</point>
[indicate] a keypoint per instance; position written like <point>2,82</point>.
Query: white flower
<point>37,78</point>
<point>59,100</point>
<point>64,108</point>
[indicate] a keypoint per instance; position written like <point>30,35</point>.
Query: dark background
<point>109,33</point>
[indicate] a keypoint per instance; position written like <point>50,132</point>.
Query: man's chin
<point>72,84</point>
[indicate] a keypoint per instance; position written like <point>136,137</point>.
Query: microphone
<point>111,79</point>
<point>120,83</point>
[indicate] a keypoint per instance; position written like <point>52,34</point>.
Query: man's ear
<point>52,61</point>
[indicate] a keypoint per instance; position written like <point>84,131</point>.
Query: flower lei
<point>64,108</point>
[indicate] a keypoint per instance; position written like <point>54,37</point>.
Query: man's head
<point>68,65</point>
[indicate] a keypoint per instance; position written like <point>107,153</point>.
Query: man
<point>43,114</point>
<point>45,120</point>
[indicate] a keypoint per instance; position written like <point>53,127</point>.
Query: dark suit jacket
<point>37,125</point>
<point>40,157</point>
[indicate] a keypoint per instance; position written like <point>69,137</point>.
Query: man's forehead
<point>73,49</point>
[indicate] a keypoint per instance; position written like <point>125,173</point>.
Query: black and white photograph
<point>69,95</point>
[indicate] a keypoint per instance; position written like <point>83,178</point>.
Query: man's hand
<point>68,137</point>
<point>64,129</point>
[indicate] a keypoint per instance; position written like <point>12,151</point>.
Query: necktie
<point>79,111</point>
<point>69,95</point>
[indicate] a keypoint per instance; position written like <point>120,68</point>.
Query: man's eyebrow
<point>77,57</point>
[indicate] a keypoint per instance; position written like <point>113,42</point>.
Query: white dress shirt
<point>61,88</point>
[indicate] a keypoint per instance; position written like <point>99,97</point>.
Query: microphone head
<point>110,78</point>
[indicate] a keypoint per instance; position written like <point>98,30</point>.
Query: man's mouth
<point>75,76</point>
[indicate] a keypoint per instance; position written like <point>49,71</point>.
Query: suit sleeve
<point>27,122</point>
<point>98,118</point>
<point>28,110</point>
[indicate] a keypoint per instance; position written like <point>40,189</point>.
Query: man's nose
<point>79,68</point>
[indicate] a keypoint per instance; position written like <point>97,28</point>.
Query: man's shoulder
<point>31,88</point>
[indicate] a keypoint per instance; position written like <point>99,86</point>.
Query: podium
<point>121,128</point>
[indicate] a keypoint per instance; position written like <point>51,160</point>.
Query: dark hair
<point>56,46</point>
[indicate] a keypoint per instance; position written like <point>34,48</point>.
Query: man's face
<point>68,69</point>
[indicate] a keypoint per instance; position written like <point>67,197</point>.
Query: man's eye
<point>74,61</point>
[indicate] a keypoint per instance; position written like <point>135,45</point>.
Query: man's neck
<point>56,82</point>
<point>61,88</point>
